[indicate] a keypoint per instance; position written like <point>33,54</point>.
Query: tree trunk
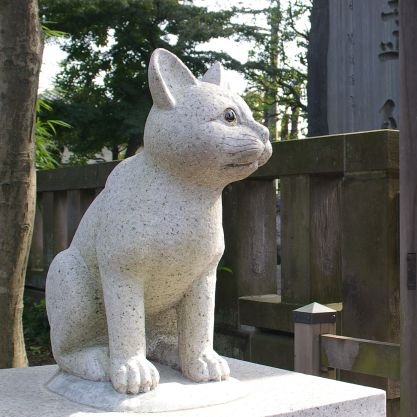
<point>20,62</point>
<point>408,206</point>
<point>285,120</point>
<point>115,152</point>
<point>271,93</point>
<point>135,142</point>
<point>295,116</point>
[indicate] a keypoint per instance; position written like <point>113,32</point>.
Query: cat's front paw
<point>209,366</point>
<point>134,375</point>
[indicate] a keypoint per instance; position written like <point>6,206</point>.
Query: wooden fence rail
<point>359,355</point>
<point>319,351</point>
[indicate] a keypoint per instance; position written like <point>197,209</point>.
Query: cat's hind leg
<point>162,338</point>
<point>76,315</point>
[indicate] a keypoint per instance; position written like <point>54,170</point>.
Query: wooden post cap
<point>314,313</point>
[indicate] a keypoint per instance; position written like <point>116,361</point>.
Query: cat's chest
<point>146,226</point>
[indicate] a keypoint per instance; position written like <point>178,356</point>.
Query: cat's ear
<point>216,75</point>
<point>167,75</point>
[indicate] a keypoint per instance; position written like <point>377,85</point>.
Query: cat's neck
<point>174,177</point>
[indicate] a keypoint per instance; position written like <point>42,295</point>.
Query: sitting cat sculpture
<point>146,251</point>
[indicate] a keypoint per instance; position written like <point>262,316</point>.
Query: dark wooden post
<point>408,204</point>
<point>48,228</point>
<point>370,272</point>
<point>250,260</point>
<point>311,238</point>
<point>370,238</point>
<point>60,230</point>
<point>317,72</point>
<point>310,322</point>
<point>249,229</point>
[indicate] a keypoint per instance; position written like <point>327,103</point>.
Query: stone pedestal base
<point>257,392</point>
<point>174,393</point>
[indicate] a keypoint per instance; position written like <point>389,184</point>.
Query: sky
<point>53,54</point>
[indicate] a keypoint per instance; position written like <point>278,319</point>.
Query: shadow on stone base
<point>173,393</point>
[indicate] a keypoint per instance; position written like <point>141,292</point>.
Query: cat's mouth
<point>243,165</point>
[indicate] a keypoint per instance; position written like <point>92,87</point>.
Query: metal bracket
<point>411,271</point>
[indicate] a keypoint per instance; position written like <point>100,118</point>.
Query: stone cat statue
<point>146,251</point>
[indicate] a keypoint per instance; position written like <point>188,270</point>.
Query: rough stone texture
<point>147,249</point>
<point>174,393</point>
<point>272,392</point>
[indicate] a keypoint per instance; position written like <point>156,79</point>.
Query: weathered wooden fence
<point>339,234</point>
<point>339,239</point>
<point>360,355</point>
<point>63,195</point>
<point>319,351</point>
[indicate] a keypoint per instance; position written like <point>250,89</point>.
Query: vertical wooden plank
<point>48,227</point>
<point>362,76</point>
<point>97,191</point>
<point>370,248</point>
<point>393,407</point>
<point>295,239</point>
<point>60,230</point>
<point>370,256</point>
<point>86,198</point>
<point>36,272</point>
<point>408,204</point>
<point>325,239</point>
<point>311,239</point>
<point>36,249</point>
<point>317,72</point>
<point>249,228</point>
<point>73,212</point>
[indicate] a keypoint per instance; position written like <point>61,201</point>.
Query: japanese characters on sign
<point>389,48</point>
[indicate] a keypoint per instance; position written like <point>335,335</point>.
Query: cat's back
<point>125,173</point>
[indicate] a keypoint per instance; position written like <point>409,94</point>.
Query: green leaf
<point>225,269</point>
<point>46,148</point>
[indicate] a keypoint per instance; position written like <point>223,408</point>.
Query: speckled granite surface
<point>146,251</point>
<point>266,392</point>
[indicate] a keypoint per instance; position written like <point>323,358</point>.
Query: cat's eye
<point>230,116</point>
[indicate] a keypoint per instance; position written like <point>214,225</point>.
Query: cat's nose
<point>263,132</point>
<point>266,154</point>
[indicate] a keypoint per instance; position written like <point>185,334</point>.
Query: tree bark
<point>20,61</point>
<point>271,93</point>
<point>408,205</point>
<point>135,142</point>
<point>115,152</point>
<point>285,120</point>
<point>295,115</point>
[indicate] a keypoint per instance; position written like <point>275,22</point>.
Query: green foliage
<point>255,100</point>
<point>46,150</point>
<point>109,45</point>
<point>36,332</point>
<point>103,82</point>
<point>277,78</point>
<point>49,33</point>
<point>221,267</point>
